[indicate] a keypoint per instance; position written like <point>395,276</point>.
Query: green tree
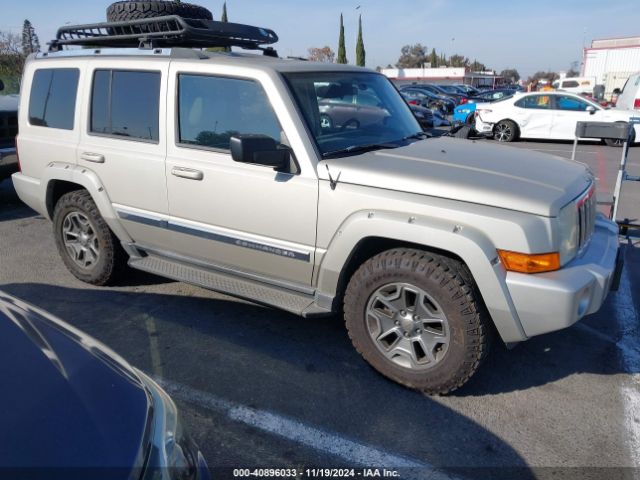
<point>11,61</point>
<point>433,58</point>
<point>510,74</point>
<point>361,54</point>
<point>413,56</point>
<point>458,61</point>
<point>30,41</point>
<point>342,49</point>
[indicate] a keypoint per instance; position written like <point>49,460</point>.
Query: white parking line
<point>629,343</point>
<point>328,442</point>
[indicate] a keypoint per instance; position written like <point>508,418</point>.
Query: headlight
<point>568,232</point>
<point>173,454</point>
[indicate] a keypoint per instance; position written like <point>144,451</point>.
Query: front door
<point>246,217</point>
<point>568,111</point>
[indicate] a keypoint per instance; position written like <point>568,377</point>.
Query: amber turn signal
<point>530,263</point>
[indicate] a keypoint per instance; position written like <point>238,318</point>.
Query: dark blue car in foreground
<point>72,409</point>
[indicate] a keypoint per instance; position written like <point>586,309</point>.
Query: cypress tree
<point>361,53</point>
<point>225,19</point>
<point>342,49</point>
<point>30,42</point>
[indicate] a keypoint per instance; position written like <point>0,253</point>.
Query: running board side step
<point>256,292</point>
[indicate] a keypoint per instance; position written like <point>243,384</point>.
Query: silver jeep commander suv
<point>309,187</point>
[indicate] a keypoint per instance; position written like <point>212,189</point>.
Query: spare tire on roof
<point>135,10</point>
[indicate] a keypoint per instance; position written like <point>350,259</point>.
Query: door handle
<point>92,157</point>
<point>188,173</point>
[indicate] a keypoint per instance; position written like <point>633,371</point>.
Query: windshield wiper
<point>360,149</point>
<point>417,136</point>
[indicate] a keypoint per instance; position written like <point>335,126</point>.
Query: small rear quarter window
<point>52,102</point>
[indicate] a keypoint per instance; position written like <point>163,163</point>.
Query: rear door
<point>125,143</point>
<point>534,115</point>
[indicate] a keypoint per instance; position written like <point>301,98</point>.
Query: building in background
<point>444,76</point>
<point>611,61</point>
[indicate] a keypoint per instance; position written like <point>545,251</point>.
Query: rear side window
<point>52,102</point>
<point>213,109</point>
<point>126,104</point>
<point>535,102</point>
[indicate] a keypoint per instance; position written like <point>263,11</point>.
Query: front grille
<point>587,206</point>
<point>8,129</point>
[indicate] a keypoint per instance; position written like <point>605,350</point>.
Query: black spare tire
<point>133,10</point>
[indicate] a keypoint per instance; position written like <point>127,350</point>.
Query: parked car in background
<point>342,108</point>
<point>629,96</point>
<point>70,404</point>
<point>466,113</point>
<point>452,92</point>
<point>466,89</point>
<point>8,132</point>
<point>576,85</point>
<point>427,98</point>
<point>544,115</point>
<point>434,89</point>
<point>423,115</point>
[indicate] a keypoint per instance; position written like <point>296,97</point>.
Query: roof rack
<point>168,31</point>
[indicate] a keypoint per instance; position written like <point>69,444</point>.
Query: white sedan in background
<point>545,115</point>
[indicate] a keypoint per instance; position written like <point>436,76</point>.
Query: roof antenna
<point>333,182</point>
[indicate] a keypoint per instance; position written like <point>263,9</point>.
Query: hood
<point>468,171</point>
<point>67,401</point>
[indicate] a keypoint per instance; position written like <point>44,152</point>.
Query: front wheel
<point>417,318</point>
<point>88,248</point>
<point>505,131</point>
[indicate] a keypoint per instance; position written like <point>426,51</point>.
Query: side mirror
<point>1,85</point>
<point>591,109</point>
<point>617,91</point>
<point>259,150</point>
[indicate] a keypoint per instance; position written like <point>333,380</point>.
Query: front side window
<point>213,109</point>
<point>573,104</point>
<point>351,111</point>
<point>534,102</point>
<point>52,102</point>
<point>126,104</point>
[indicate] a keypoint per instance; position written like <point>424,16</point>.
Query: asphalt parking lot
<point>262,388</point>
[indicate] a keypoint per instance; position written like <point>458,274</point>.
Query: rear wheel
<point>417,318</point>
<point>505,131</point>
<point>88,248</point>
<point>134,10</point>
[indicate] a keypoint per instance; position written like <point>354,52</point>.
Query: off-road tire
<point>509,136</point>
<point>450,283</point>
<point>134,10</point>
<point>112,259</point>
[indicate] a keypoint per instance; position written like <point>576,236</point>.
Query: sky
<point>528,36</point>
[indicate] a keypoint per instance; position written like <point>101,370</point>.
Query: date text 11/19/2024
<point>315,473</point>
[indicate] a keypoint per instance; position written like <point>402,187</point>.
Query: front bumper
<point>8,162</point>
<point>552,301</point>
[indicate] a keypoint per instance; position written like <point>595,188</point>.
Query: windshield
<point>351,111</point>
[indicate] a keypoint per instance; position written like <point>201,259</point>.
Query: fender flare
<point>88,180</point>
<point>464,241</point>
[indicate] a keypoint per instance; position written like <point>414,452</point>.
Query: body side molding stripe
<point>217,237</point>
